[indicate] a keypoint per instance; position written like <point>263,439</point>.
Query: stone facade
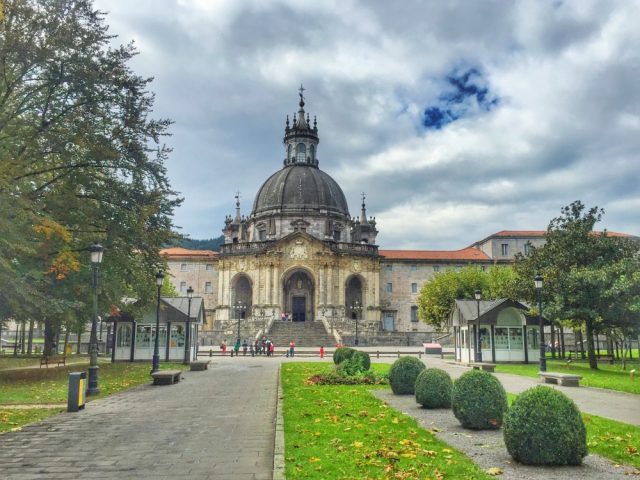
<point>299,253</point>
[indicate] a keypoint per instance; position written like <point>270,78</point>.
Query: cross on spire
<point>301,90</point>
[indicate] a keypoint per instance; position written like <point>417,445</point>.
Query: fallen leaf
<point>494,471</point>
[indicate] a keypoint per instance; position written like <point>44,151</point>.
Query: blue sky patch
<point>466,92</point>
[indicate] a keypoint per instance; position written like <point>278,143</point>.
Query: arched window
<point>312,152</point>
<point>301,153</point>
<point>289,153</point>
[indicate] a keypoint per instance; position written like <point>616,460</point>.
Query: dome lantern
<point>301,140</point>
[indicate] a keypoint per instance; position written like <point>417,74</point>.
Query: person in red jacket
<point>321,351</point>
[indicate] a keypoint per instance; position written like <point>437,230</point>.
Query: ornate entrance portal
<point>298,296</point>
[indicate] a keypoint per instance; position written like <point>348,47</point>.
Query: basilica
<point>301,256</point>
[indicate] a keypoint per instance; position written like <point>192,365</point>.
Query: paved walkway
<point>216,424</point>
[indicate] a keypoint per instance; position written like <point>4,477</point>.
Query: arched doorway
<point>353,298</point>
<point>299,295</point>
<point>242,296</point>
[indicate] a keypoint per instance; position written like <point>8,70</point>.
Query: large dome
<point>300,188</point>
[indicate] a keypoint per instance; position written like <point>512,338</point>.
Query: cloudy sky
<point>458,118</point>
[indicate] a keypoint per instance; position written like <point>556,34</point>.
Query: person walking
<point>272,348</point>
<point>292,348</point>
<point>223,347</point>
<point>245,347</point>
<point>236,347</point>
<point>321,351</point>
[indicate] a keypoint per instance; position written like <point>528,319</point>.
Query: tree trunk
<point>66,338</point>
<point>593,361</point>
<point>49,337</point>
<point>553,341</point>
<point>30,340</point>
<point>582,355</point>
<point>562,346</point>
<point>23,337</point>
<point>79,342</point>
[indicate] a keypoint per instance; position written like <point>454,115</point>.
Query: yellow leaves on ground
<point>494,471</point>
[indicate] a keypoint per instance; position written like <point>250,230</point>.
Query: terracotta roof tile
<point>464,254</point>
<point>185,252</point>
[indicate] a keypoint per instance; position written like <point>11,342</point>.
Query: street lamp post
<point>155,364</point>
<point>96,258</point>
<point>187,333</point>
<point>357,308</point>
<point>543,361</point>
<point>240,308</point>
<point>478,356</point>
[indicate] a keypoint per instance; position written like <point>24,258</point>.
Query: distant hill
<point>194,244</point>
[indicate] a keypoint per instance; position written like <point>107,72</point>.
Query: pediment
<point>299,246</point>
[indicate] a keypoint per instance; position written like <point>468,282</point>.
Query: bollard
<point>377,353</point>
<point>419,354</point>
<point>76,397</point>
<point>398,353</point>
<point>211,353</point>
<point>632,374</point>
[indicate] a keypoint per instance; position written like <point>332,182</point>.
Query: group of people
<point>264,346</point>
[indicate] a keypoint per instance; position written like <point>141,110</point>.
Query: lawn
<point>611,377</point>
<point>9,361</point>
<point>33,386</point>
<point>13,419</point>
<point>345,432</point>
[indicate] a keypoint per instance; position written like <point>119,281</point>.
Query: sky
<point>458,119</point>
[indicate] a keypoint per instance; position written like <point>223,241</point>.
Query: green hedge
<point>340,354</point>
<point>479,400</point>
<point>403,374</point>
<point>434,388</point>
<point>544,427</point>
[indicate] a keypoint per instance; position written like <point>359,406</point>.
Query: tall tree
<point>573,262</point>
<point>81,159</point>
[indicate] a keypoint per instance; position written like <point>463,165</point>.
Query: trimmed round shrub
<point>403,374</point>
<point>363,358</point>
<point>479,400</point>
<point>544,427</point>
<point>434,388</point>
<point>340,354</point>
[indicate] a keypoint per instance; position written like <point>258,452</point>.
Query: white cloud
<point>566,127</point>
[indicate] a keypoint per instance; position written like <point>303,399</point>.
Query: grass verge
<point>13,419</point>
<point>343,431</point>
<point>34,386</point>
<point>611,377</point>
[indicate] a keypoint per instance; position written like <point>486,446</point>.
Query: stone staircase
<point>304,334</point>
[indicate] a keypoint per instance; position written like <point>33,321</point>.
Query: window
<point>388,267</point>
<point>414,313</point>
<point>509,338</point>
<point>483,268</point>
<point>389,288</point>
<point>183,267</point>
<point>414,288</point>
<point>208,288</point>
<point>336,235</point>
<point>301,153</point>
<point>527,248</point>
<point>183,287</point>
<point>262,235</point>
<point>209,267</point>
<point>414,268</point>
<point>505,249</point>
<point>312,151</point>
<point>436,268</point>
<point>289,152</point>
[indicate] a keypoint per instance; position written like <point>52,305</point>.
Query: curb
<point>278,448</point>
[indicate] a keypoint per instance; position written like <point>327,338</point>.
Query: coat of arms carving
<point>298,251</point>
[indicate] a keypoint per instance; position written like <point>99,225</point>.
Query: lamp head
<point>538,281</point>
<point>477,295</point>
<point>159,278</point>
<point>97,251</point>
<point>190,292</point>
